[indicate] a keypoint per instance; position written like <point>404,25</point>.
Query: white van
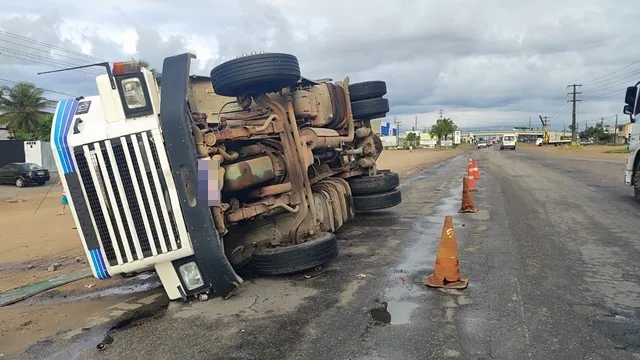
<point>508,141</point>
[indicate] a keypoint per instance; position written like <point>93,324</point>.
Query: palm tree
<point>442,129</point>
<point>145,64</point>
<point>22,106</point>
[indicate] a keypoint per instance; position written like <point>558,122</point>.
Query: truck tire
<point>291,259</point>
<point>365,185</point>
<point>370,109</point>
<point>377,201</point>
<point>636,184</point>
<point>367,90</point>
<point>255,74</point>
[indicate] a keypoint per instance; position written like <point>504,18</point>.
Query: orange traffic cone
<point>471,180</point>
<point>446,273</point>
<point>470,164</point>
<point>476,172</point>
<point>467,201</point>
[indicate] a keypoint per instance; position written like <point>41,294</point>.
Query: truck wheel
<point>364,185</point>
<point>290,259</point>
<point>636,182</point>
<point>378,201</point>
<point>255,74</point>
<point>367,90</point>
<point>370,109</point>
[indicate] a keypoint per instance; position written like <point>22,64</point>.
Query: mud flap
<point>176,130</point>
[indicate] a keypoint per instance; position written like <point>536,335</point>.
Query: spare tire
<point>255,74</point>
<point>377,201</point>
<point>290,259</point>
<point>367,90</point>
<point>370,109</point>
<point>382,182</point>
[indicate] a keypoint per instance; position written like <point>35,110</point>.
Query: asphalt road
<point>552,259</point>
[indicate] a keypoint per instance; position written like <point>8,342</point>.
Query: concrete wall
<point>39,152</point>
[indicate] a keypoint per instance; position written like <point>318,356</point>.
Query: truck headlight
<point>133,93</point>
<point>191,276</point>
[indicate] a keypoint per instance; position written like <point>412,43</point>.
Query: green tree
<point>22,107</point>
<point>146,64</point>
<point>42,132</point>
<point>411,139</point>
<point>442,129</point>
<point>596,133</point>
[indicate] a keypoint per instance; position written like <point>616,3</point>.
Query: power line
<point>611,73</point>
<point>33,41</point>
<point>47,51</point>
<point>45,90</point>
<point>43,60</point>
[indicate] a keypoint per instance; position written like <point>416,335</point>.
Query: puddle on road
<point>401,296</point>
<point>426,173</point>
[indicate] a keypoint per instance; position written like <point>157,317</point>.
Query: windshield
<point>30,166</point>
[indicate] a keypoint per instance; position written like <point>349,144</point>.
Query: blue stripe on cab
<point>63,119</point>
<point>98,264</point>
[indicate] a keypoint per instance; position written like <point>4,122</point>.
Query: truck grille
<point>126,190</point>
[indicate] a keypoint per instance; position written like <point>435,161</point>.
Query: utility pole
<point>615,131</point>
<point>602,122</point>
<point>529,121</point>
<point>441,111</point>
<point>546,122</point>
<point>574,134</point>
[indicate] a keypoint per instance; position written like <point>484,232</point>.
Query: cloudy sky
<point>484,62</point>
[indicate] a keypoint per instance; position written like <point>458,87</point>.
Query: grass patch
<point>623,150</point>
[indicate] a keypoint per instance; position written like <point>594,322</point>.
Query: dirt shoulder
<point>598,152</point>
<point>407,163</point>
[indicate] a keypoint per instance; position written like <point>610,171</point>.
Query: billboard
<point>457,137</point>
<point>388,129</point>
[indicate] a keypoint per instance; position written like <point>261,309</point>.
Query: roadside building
<point>623,132</point>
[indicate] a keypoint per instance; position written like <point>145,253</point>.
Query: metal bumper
<point>175,120</point>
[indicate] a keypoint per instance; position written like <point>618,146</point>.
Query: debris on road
<point>54,267</point>
<point>361,276</point>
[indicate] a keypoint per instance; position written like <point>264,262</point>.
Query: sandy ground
<point>33,237</point>
<point>406,163</point>
<point>585,152</point>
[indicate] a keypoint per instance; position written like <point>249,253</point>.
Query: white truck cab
<point>632,168</point>
<point>127,191</point>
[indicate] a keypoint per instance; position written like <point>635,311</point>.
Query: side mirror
<point>630,96</point>
<point>631,101</point>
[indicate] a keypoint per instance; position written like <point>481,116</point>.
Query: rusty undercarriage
<point>297,159</point>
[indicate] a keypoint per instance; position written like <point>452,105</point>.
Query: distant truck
<point>632,168</point>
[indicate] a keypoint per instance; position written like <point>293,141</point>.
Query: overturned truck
<point>195,177</point>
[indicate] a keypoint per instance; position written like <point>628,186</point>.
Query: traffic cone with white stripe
<point>446,273</point>
<point>468,206</point>
<point>471,180</point>
<point>476,172</point>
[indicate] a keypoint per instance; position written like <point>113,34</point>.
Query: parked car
<point>22,174</point>
<point>482,145</point>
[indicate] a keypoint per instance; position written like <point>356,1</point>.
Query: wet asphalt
<point>552,257</point>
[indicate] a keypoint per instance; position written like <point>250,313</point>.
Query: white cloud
<point>484,62</point>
